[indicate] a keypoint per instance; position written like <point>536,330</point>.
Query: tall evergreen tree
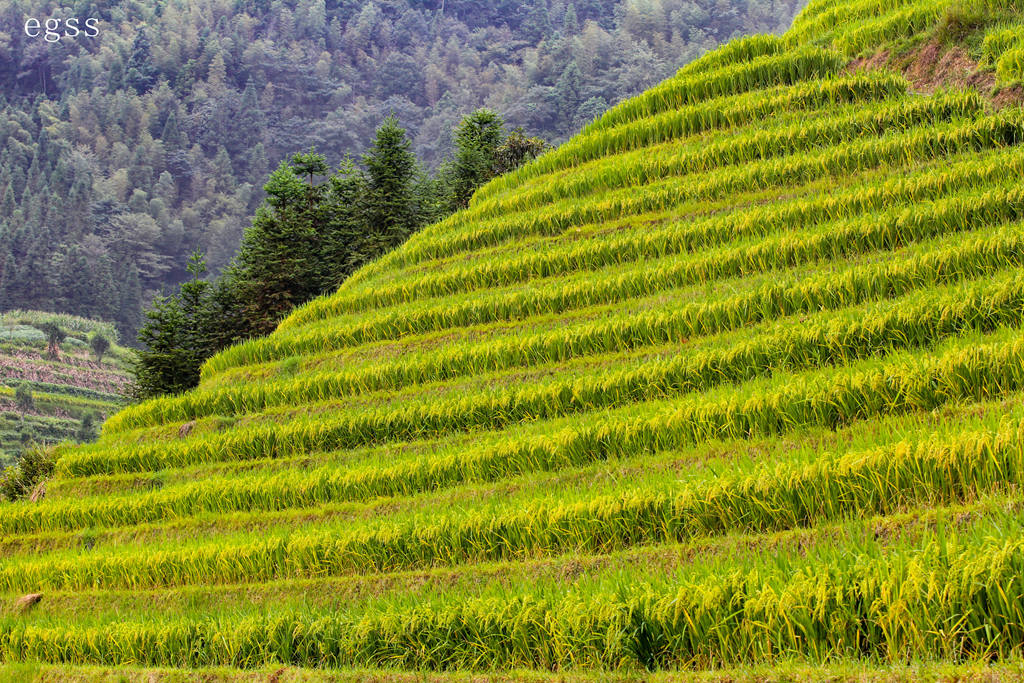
<point>477,139</point>
<point>172,136</point>
<point>348,243</point>
<point>140,72</point>
<point>391,173</point>
<point>163,365</point>
<point>128,315</point>
<point>278,262</point>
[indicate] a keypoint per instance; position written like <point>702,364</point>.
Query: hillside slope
<point>733,378</point>
<point>65,389</point>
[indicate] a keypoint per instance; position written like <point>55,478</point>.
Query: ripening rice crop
<point>735,377</point>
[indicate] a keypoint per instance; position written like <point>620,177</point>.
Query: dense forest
<point>123,153</point>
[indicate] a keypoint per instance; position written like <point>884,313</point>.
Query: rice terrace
<point>730,386</point>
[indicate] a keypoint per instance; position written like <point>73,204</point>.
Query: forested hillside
<point>121,154</point>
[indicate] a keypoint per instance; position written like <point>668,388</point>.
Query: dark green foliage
<point>280,262</point>
<point>87,428</point>
<point>23,398</point>
<point>55,336</point>
<point>33,467</point>
<point>482,151</point>
<point>477,139</point>
<point>99,345</point>
<point>164,364</point>
<point>174,338</point>
<point>308,236</point>
<point>391,168</point>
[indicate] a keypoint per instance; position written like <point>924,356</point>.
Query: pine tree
<point>172,136</point>
<point>129,315</point>
<point>348,243</point>
<point>193,297</point>
<point>7,275</point>
<point>7,201</point>
<point>140,73</point>
<point>163,365</point>
<point>223,173</point>
<point>216,74</point>
<point>569,89</point>
<point>250,123</point>
<point>477,139</point>
<point>278,262</point>
<point>571,24</point>
<point>257,163</point>
<point>391,171</point>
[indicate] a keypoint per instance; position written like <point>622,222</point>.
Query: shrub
<point>18,481</point>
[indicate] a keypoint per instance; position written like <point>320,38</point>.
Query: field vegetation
<point>731,384</point>
<point>56,393</point>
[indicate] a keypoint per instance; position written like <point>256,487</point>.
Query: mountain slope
<point>123,152</point>
<point>65,390</point>
<point>733,378</point>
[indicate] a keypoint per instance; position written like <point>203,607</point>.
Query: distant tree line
<point>313,230</point>
<point>121,155</point>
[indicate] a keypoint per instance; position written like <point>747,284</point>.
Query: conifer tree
<point>477,139</point>
<point>391,172</point>
<point>140,73</point>
<point>163,364</point>
<point>172,136</point>
<point>129,315</point>
<point>348,243</point>
<point>278,263</point>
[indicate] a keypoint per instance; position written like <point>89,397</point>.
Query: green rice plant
<point>833,340</point>
<point>868,35</point>
<point>789,135</point>
<point>743,49</point>
<point>715,114</point>
<point>902,325</point>
<point>696,235</point>
<point>944,217</point>
<point>1010,68</point>
<point>932,601</point>
<point>428,420</point>
<point>830,127</point>
<point>948,264</point>
<point>681,394</point>
<point>999,42</point>
<point>773,497</point>
<point>1004,129</point>
<point>796,65</point>
<point>820,19</point>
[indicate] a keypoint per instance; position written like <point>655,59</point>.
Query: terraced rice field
<point>732,381</point>
<point>64,389</point>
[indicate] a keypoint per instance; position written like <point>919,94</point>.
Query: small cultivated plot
<point>71,387</point>
<point>728,387</point>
